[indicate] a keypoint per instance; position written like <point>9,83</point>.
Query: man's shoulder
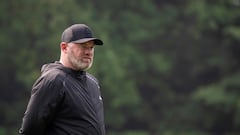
<point>54,74</point>
<point>92,78</point>
<point>49,79</point>
<point>53,69</point>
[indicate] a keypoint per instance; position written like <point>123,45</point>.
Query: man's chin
<point>84,67</point>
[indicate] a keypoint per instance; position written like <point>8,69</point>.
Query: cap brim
<point>95,40</point>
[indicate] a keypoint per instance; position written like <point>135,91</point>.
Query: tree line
<point>167,67</point>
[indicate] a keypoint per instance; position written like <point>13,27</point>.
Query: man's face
<point>80,55</point>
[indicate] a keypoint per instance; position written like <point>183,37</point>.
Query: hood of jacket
<point>60,66</point>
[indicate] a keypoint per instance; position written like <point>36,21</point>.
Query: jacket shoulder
<point>92,78</point>
<point>54,74</point>
<point>50,77</point>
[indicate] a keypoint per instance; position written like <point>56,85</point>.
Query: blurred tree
<point>167,67</point>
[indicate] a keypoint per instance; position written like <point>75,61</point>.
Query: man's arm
<point>45,97</point>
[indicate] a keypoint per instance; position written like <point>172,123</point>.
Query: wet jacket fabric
<point>64,102</point>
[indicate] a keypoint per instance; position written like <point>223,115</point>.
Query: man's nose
<point>88,51</point>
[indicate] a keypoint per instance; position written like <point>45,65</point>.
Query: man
<point>66,100</point>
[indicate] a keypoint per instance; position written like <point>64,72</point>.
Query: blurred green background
<point>168,67</point>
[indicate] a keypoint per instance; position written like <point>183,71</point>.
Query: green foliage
<point>222,97</point>
<point>2,131</point>
<point>129,133</point>
<point>184,133</point>
<point>166,67</point>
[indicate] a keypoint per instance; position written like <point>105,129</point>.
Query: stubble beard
<point>78,64</point>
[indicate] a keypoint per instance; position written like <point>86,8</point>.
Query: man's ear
<point>63,46</point>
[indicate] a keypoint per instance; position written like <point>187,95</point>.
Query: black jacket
<point>64,102</point>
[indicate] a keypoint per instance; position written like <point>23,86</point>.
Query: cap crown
<point>79,33</point>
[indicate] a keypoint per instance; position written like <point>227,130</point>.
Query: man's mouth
<point>86,59</point>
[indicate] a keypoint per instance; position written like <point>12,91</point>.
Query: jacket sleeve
<point>45,97</point>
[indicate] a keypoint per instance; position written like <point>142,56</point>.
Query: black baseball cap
<point>79,33</point>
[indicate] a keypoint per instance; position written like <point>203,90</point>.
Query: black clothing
<point>64,102</point>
